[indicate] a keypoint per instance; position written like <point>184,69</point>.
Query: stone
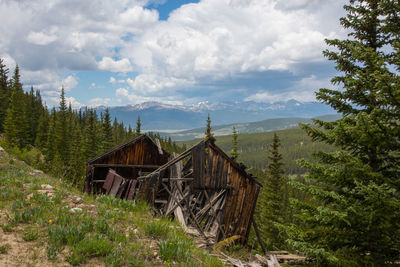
<point>74,210</point>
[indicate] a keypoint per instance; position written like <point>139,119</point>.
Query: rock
<point>29,196</point>
<point>74,210</point>
<point>76,200</point>
<point>2,150</point>
<point>47,187</point>
<point>38,171</point>
<point>136,231</point>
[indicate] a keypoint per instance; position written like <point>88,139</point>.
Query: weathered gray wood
<point>208,206</point>
<point>107,165</point>
<point>192,215</point>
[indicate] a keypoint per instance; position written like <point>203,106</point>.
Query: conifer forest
<point>332,194</point>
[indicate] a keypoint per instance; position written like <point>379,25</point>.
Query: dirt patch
<point>22,253</point>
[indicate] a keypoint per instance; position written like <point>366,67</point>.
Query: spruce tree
<point>138,126</point>
<point>42,131</point>
<point>234,153</point>
<point>90,145</point>
<point>4,94</point>
<point>208,133</point>
<point>50,149</point>
<point>354,218</point>
<point>107,131</point>
<point>272,198</point>
<point>16,125</point>
<point>77,161</point>
<point>61,131</point>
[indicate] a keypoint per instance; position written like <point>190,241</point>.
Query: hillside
<point>251,127</point>
<point>45,222</point>
<point>295,144</point>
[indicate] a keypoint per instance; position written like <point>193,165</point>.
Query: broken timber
<point>210,194</point>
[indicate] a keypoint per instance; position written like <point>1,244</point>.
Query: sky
<point>119,52</point>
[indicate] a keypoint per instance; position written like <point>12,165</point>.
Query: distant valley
<point>162,117</point>
<point>242,128</point>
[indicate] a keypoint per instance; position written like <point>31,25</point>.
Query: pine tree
<point>90,146</point>
<point>16,126</point>
<point>272,198</point>
<point>138,126</point>
<point>42,131</point>
<point>208,133</point>
<point>50,149</point>
<point>61,131</point>
<point>234,153</point>
<point>4,94</point>
<point>76,165</point>
<point>107,131</point>
<point>353,219</point>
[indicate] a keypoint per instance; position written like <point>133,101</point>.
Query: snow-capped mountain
<point>162,116</point>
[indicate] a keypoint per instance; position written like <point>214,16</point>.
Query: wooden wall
<point>140,151</point>
<point>214,170</point>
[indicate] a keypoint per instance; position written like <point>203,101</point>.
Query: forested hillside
<point>253,148</point>
<point>59,140</point>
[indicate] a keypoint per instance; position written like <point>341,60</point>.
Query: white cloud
<point>214,40</point>
<point>201,43</point>
<point>303,90</point>
<point>69,83</point>
<point>98,101</point>
<point>112,80</point>
<point>121,92</point>
<point>40,38</point>
<point>122,65</point>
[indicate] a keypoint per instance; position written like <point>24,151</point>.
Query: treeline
<point>59,140</point>
<point>345,209</point>
<point>253,148</point>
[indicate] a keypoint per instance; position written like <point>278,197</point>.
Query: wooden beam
<point>177,179</point>
<point>258,235</point>
<point>106,165</point>
<point>191,213</point>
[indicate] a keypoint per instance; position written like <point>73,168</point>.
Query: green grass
<point>116,232</point>
<point>4,248</point>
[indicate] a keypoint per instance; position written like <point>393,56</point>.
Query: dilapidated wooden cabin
<point>209,193</point>
<point>116,171</point>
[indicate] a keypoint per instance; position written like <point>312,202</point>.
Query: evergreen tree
<point>208,133</point>
<point>77,161</point>
<point>16,126</point>
<point>42,131</point>
<point>107,131</point>
<point>234,153</point>
<point>354,217</point>
<point>61,131</point>
<point>4,94</point>
<point>272,198</point>
<point>138,126</point>
<point>50,150</point>
<point>90,146</point>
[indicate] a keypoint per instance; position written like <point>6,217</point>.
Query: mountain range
<point>163,117</point>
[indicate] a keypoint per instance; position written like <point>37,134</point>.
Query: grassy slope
<point>38,227</point>
<point>295,144</point>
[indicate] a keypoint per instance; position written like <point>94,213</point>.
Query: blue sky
<point>181,52</point>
